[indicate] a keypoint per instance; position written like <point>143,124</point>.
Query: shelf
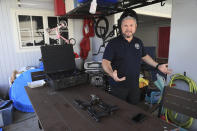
<point>107,9</point>
<point>83,11</point>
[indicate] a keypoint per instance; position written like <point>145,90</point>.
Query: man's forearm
<point>107,67</point>
<point>149,61</point>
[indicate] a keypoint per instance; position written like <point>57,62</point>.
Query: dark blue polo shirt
<point>125,57</point>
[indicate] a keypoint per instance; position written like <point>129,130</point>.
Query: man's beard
<point>128,36</point>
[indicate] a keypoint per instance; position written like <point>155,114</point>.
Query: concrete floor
<point>23,122</point>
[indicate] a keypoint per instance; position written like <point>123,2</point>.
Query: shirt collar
<point>122,37</point>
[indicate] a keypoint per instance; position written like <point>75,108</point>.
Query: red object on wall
<point>76,55</point>
<point>59,7</point>
<point>91,28</point>
<point>85,43</point>
<point>164,40</point>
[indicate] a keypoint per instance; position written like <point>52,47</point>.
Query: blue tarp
<point>18,94</point>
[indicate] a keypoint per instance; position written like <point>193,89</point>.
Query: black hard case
<point>59,66</point>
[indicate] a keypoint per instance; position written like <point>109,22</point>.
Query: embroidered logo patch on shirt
<point>137,46</point>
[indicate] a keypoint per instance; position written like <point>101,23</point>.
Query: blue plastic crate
<point>6,115</point>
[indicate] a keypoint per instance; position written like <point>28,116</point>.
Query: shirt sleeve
<point>109,52</point>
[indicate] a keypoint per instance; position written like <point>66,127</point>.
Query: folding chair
<point>179,101</point>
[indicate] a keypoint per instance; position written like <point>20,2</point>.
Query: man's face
<point>128,27</point>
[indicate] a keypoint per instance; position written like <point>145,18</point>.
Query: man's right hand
<point>116,78</point>
<point>106,64</point>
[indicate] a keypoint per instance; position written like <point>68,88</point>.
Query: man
<point>122,60</point>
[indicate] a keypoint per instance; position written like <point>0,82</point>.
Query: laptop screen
<point>58,58</point>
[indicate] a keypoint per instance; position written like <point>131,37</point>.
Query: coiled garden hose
<point>169,115</point>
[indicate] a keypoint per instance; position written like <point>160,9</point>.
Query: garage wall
<point>148,33</point>
<point>183,40</point>
<point>9,58</point>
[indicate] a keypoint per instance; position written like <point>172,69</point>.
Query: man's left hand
<point>164,69</point>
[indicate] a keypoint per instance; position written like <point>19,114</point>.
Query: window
<point>32,29</point>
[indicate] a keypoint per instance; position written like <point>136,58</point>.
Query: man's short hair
<point>128,18</point>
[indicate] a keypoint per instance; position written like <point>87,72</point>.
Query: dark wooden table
<point>57,112</point>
